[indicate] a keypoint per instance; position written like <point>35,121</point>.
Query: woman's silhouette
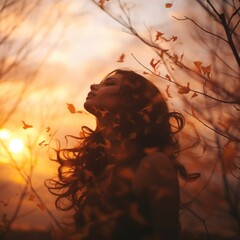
<point>121,179</point>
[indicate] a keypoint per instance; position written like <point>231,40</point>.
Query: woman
<point>121,178</point>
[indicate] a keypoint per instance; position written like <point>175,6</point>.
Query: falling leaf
<point>167,91</point>
<point>101,3</point>
<point>168,78</point>
<point>198,65</point>
<point>158,35</point>
<point>48,129</point>
<point>154,63</point>
<point>172,67</point>
<point>71,108</point>
<point>175,58</point>
<point>168,5</point>
<point>181,57</point>
<point>174,38</point>
<point>184,90</point>
<point>206,70</point>
<point>41,143</point>
<point>121,58</point>
<point>162,52</point>
<point>26,126</point>
<point>5,204</point>
<point>80,112</point>
<point>31,197</point>
<point>145,72</point>
<point>194,95</point>
<point>41,206</point>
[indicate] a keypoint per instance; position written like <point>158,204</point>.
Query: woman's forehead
<point>115,76</point>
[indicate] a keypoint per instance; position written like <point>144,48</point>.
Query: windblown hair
<point>144,117</point>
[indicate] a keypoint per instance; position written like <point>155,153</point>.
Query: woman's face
<point>105,95</point>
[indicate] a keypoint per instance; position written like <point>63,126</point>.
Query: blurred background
<point>50,54</point>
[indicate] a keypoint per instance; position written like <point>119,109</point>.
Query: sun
<point>16,145</point>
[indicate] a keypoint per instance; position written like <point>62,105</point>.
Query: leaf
<point>168,5</point>
<point>168,78</point>
<point>158,35</point>
<point>26,126</point>
<point>71,108</point>
<point>167,91</point>
<point>41,206</point>
<point>174,38</point>
<point>48,129</point>
<point>5,204</point>
<point>207,70</point>
<point>175,58</point>
<point>145,73</point>
<point>154,63</point>
<point>198,65</point>
<point>194,95</point>
<point>31,197</point>
<point>101,4</point>
<point>41,143</point>
<point>184,90</point>
<point>121,58</point>
<point>163,52</point>
<point>79,111</point>
<point>181,57</point>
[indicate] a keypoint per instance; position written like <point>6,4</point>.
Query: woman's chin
<point>90,108</point>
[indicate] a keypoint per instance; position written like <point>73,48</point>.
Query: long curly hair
<point>144,118</point>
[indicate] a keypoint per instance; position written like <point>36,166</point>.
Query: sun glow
<point>16,145</point>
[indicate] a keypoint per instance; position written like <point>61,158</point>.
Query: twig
<point>234,13</point>
<point>227,31</point>
<point>203,29</point>
<point>203,221</point>
<point>231,138</point>
<point>179,85</point>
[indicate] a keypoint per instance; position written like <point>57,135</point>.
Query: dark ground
<point>40,235</point>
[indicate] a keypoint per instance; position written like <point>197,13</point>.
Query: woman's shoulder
<point>157,161</point>
<point>155,168</point>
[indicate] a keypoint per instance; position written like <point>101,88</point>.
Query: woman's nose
<point>93,87</point>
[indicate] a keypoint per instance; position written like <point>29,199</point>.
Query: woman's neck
<point>118,148</point>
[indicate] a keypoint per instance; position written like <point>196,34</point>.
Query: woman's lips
<point>91,94</point>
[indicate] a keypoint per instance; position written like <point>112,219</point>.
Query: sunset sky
<point>89,43</point>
